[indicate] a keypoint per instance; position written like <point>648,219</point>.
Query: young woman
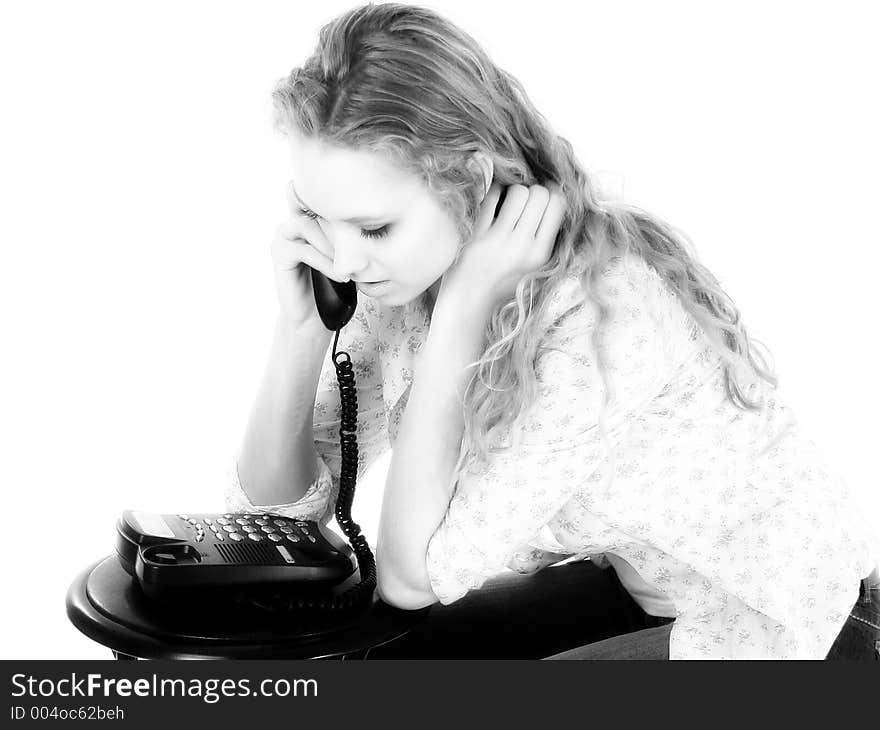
<point>565,381</point>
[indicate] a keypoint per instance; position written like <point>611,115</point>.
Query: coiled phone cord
<point>362,592</point>
<point>347,480</point>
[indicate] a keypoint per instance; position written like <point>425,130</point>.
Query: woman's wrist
<point>463,299</point>
<point>310,327</point>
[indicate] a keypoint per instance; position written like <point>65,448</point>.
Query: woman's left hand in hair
<point>505,249</point>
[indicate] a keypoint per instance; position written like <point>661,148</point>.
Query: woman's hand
<point>528,559</point>
<point>502,251</point>
<point>299,243</point>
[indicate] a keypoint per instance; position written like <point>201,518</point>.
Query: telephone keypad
<point>255,527</point>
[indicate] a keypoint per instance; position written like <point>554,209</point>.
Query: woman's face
<point>399,235</point>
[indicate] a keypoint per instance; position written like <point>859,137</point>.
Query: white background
<point>141,185</point>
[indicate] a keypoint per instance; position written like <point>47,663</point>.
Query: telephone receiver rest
<point>335,301</point>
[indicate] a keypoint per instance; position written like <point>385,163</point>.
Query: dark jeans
<point>576,611</point>
<point>860,637</point>
<point>530,617</point>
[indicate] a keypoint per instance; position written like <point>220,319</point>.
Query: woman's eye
<point>375,233</point>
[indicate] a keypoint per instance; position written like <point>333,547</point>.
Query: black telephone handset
<point>334,300</point>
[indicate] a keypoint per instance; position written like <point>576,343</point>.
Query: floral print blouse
<point>732,515</point>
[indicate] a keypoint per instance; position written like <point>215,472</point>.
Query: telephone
<point>263,560</point>
<point>171,554</point>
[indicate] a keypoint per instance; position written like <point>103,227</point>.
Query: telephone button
<point>293,538</point>
<point>312,539</point>
<point>261,521</point>
<point>248,528</point>
<point>286,530</point>
<point>255,536</point>
<point>241,521</point>
<point>267,528</point>
<point>275,537</point>
<point>219,536</point>
<point>235,536</point>
<point>285,554</point>
<point>208,521</point>
<point>229,528</point>
<point>280,523</point>
<point>222,520</point>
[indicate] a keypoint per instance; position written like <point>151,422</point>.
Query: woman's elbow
<point>404,597</point>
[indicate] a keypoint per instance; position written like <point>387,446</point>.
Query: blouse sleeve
<point>359,339</point>
<point>499,507</point>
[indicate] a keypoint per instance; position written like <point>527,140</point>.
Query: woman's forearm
<point>417,490</point>
<point>277,461</point>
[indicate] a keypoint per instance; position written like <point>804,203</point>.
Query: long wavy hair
<point>402,81</point>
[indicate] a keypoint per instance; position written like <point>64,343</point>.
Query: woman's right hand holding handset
<point>299,243</point>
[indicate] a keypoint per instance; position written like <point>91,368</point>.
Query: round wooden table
<point>108,606</point>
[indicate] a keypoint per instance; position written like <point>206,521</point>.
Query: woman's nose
<point>348,257</point>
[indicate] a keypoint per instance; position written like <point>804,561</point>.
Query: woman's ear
<point>483,163</point>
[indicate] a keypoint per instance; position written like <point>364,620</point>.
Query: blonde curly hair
<point>402,81</point>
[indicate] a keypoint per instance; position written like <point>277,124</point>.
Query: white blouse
<point>729,520</point>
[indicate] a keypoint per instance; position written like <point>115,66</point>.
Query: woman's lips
<point>371,289</point>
